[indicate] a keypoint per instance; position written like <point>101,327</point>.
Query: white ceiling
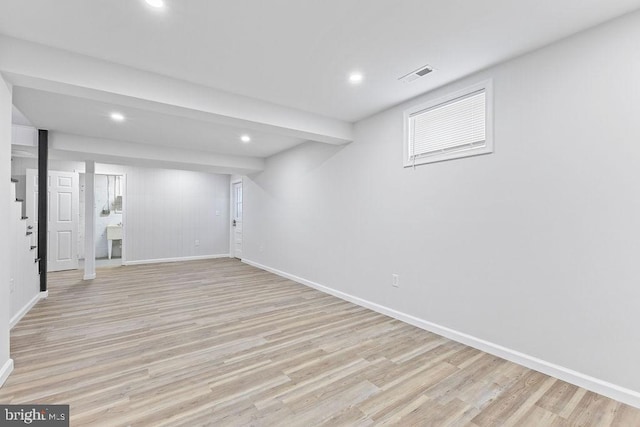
<point>85,117</point>
<point>297,53</point>
<point>200,73</point>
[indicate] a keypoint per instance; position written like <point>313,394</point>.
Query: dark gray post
<point>43,190</point>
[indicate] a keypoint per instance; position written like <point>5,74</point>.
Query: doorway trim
<point>123,242</point>
<point>233,182</point>
<point>105,170</point>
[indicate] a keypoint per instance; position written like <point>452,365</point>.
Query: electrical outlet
<point>12,286</point>
<point>395,280</point>
<point>217,213</point>
<point>197,242</point>
<point>261,247</point>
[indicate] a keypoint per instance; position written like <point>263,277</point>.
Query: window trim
<point>487,86</point>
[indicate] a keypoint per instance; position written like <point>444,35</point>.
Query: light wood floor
<point>222,343</point>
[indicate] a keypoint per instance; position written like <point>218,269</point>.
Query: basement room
<point>305,213</point>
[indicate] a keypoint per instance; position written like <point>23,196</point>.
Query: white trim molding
<point>235,179</point>
<point>613,391</point>
<point>178,259</point>
<point>28,306</point>
<point>5,371</point>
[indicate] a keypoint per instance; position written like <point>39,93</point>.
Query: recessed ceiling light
<point>155,3</point>
<point>117,117</point>
<point>356,77</point>
<point>245,138</point>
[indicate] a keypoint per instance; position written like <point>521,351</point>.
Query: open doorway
<point>236,219</point>
<point>108,214</point>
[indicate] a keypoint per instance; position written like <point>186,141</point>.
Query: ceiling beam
<point>75,147</point>
<point>83,76</point>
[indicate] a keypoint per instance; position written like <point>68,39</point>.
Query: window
<point>458,125</point>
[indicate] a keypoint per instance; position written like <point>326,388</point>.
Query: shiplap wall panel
<point>168,210</point>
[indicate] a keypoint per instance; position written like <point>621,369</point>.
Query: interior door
<point>63,221</point>
<point>237,220</point>
<point>63,217</point>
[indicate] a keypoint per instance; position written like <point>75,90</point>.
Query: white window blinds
<point>456,125</point>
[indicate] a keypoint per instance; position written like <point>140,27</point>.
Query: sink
<point>114,232</point>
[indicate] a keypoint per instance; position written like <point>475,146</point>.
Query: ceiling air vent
<point>416,74</point>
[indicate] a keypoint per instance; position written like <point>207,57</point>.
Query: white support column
<point>89,221</point>
<point>6,364</point>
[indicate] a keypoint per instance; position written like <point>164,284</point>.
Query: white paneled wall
<point>24,279</point>
<point>175,214</point>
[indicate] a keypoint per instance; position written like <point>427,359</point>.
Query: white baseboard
<point>179,259</point>
<point>89,276</point>
<point>613,391</point>
<point>27,307</point>
<point>5,371</point>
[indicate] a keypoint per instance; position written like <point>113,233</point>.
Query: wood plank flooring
<point>218,342</point>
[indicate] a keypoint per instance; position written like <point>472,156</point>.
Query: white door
<point>237,220</point>
<point>62,251</point>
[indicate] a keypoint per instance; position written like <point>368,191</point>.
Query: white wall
<point>24,278</point>
<point>534,248</point>
<point>21,189</point>
<point>165,210</point>
<point>5,200</point>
